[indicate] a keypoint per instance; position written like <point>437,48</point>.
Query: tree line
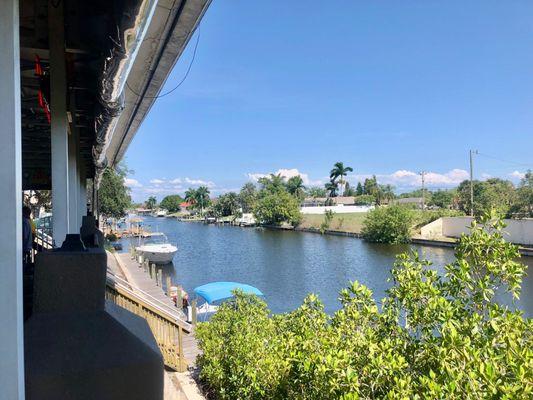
<point>271,191</point>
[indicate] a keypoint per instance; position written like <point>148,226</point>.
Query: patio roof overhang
<point>115,68</point>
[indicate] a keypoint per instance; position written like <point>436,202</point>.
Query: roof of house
<point>405,200</point>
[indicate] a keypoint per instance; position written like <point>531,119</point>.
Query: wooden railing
<point>167,328</point>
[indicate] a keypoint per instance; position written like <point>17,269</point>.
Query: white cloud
<point>406,178</point>
<point>402,173</point>
<point>287,173</point>
<point>255,176</point>
<point>156,190</point>
<point>453,177</point>
<point>157,181</point>
<point>517,175</point>
<point>175,181</point>
<point>220,191</point>
<point>132,183</point>
<point>199,182</point>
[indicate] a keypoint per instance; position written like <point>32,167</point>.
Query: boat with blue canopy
<point>216,292</point>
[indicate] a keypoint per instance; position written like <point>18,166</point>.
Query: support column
<point>74,217</point>
<point>82,194</point>
<point>59,125</point>
<point>11,326</point>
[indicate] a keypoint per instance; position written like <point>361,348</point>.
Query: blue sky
<point>388,87</point>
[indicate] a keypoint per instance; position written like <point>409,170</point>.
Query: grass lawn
<point>350,222</point>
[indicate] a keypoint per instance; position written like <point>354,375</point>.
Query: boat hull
<point>158,256</point>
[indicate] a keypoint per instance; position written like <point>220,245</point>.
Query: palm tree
<point>295,186</point>
<point>384,192</point>
<point>340,171</point>
<point>332,188</point>
<point>272,183</point>
<point>151,202</point>
<point>202,197</point>
<point>190,196</point>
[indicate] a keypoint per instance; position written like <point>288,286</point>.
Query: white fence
<point>518,231</point>
<point>339,209</point>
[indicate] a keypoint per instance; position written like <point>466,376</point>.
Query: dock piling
<point>193,306</point>
<point>169,285</point>
<point>159,278</point>
<point>179,298</point>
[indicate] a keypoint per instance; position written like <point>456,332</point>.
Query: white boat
<point>161,213</point>
<point>157,249</point>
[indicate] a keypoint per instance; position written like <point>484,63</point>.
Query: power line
<point>182,80</point>
<point>505,161</point>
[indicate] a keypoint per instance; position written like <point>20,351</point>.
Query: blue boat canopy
<point>216,291</point>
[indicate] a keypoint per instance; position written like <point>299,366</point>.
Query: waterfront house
<point>77,80</point>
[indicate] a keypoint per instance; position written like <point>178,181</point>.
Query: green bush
<point>278,207</point>
<point>431,337</point>
<point>364,200</point>
<point>390,224</point>
<point>328,217</point>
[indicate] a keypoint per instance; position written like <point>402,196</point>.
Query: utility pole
<point>472,152</point>
<point>422,174</point>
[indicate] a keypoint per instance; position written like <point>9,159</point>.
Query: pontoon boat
<point>214,293</point>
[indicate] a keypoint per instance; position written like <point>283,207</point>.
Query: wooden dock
<point>145,286</point>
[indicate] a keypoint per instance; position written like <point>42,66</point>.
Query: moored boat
<point>213,294</point>
<point>157,249</point>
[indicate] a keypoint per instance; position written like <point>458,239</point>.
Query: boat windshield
<point>156,238</point>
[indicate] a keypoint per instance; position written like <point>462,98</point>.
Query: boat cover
<point>216,291</point>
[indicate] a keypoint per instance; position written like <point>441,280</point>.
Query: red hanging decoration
<point>43,102</point>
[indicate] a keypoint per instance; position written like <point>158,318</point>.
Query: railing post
<point>180,350</point>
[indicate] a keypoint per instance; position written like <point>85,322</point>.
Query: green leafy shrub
<point>390,224</point>
<point>278,207</point>
<point>431,337</point>
<point>328,217</point>
<point>364,200</point>
<point>239,358</point>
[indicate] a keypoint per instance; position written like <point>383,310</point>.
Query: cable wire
<point>182,80</point>
<point>505,161</point>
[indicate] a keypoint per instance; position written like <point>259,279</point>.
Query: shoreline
<point>524,251</point>
<point>449,243</point>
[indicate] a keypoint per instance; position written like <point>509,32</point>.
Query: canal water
<point>287,265</point>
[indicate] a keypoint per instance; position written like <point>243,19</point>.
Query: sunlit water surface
<point>287,265</point>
